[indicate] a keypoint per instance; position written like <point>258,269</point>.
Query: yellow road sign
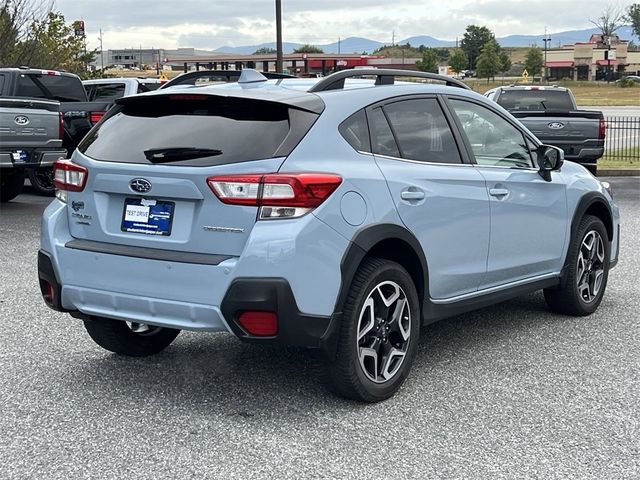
<point>525,74</point>
<point>163,77</point>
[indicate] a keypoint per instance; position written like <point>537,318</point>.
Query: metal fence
<point>622,143</point>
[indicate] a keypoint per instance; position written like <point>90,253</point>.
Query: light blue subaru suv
<point>338,214</point>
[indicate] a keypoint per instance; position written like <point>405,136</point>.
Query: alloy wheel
<point>384,332</point>
<point>590,267</point>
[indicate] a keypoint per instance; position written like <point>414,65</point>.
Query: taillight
<point>280,195</point>
<point>95,117</point>
<point>68,177</point>
<point>602,131</point>
<point>60,126</point>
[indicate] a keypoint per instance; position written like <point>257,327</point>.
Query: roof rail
<point>335,81</point>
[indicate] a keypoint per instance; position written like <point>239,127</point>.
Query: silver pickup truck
<point>551,114</point>
<point>30,137</point>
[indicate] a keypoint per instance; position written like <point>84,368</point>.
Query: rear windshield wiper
<point>160,155</point>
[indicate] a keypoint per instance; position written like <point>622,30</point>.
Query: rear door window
<point>422,131</point>
<point>196,130</point>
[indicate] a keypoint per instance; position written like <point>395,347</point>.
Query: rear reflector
<point>68,176</point>
<point>260,324</point>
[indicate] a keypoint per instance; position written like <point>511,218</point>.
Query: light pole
<point>279,36</point>
<point>547,41</point>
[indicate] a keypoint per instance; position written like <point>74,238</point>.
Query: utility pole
<point>279,36</point>
<point>547,41</point>
<point>101,52</point>
<point>393,38</point>
<point>338,45</point>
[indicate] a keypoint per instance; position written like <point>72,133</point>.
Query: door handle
<point>498,192</point>
<point>412,195</point>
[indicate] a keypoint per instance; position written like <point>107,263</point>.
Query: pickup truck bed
<point>577,132</point>
<point>551,114</point>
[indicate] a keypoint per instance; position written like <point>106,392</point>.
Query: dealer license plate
<point>149,217</point>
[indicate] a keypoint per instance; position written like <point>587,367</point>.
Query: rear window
<point>535,100</point>
<point>55,87</point>
<point>106,92</point>
<point>196,130</point>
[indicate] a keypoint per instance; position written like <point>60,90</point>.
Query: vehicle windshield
<point>535,100</point>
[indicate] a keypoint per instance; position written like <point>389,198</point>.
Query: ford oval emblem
<point>140,185</point>
<point>556,125</point>
<point>21,120</point>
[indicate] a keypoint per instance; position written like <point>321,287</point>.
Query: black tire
<point>344,374</point>
<point>121,338</point>
<point>11,184</point>
<point>42,180</point>
<point>570,299</point>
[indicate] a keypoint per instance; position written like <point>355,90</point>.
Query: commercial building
<point>593,60</point>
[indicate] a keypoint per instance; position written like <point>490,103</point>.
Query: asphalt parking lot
<point>510,391</point>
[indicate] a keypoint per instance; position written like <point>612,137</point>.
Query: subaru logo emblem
<point>556,125</point>
<point>140,185</point>
<point>21,120</point>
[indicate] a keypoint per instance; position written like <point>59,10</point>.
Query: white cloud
<point>211,24</point>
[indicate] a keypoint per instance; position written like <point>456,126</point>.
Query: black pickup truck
<point>551,114</point>
<point>78,114</point>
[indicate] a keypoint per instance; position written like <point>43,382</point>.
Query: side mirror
<point>550,158</point>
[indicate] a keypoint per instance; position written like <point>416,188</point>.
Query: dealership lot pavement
<point>510,391</point>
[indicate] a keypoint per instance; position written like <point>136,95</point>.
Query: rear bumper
<point>170,289</point>
<point>35,158</point>
<point>586,155</point>
<point>244,294</point>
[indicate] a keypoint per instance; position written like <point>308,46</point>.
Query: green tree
<point>505,61</point>
<point>633,17</point>
<point>473,41</point>
<point>429,62</point>
<point>52,44</point>
<point>306,48</point>
<point>442,54</point>
<point>16,17</point>
<point>458,60</point>
<point>534,62</point>
<point>489,62</point>
<point>265,51</point>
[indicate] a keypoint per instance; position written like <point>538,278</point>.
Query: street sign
<point>525,74</point>
<point>78,28</point>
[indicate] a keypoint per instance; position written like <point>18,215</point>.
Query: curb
<point>619,172</point>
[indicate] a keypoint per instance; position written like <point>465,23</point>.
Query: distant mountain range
<point>360,45</point>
